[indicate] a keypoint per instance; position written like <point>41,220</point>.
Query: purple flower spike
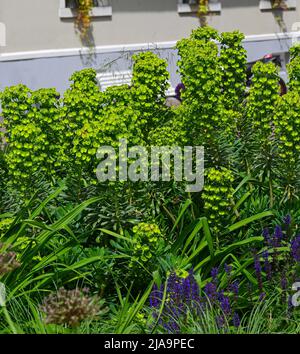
<point>257,268</point>
<point>266,235</point>
<point>278,236</point>
<point>287,220</point>
<point>236,320</point>
<point>234,287</point>
<point>262,296</point>
<point>210,290</point>
<point>224,303</point>
<point>267,265</point>
<point>228,269</point>
<point>214,273</point>
<point>283,282</point>
<point>295,248</point>
<point>220,321</point>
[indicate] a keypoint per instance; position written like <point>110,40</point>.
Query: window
<point>267,4</point>
<point>186,6</point>
<point>67,8</point>
<point>117,78</point>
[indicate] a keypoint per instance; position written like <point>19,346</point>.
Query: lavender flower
<point>220,321</point>
<point>154,297</point>
<point>181,296</point>
<point>266,235</point>
<point>195,291</point>
<point>278,236</point>
<point>171,284</point>
<point>214,274</point>
<point>236,320</point>
<point>187,288</point>
<point>257,268</point>
<point>224,303</point>
<point>228,269</point>
<point>287,220</point>
<point>295,248</point>
<point>267,265</point>
<point>210,290</point>
<point>262,296</point>
<point>283,282</point>
<point>234,287</point>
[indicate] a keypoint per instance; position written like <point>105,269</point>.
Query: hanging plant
<point>83,20</point>
<point>279,4</point>
<point>203,7</point>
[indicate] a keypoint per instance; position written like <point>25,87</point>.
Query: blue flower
<point>228,269</point>
<point>287,220</point>
<point>214,273</point>
<point>257,268</point>
<point>266,235</point>
<point>278,236</point>
<point>295,248</point>
<point>267,265</point>
<point>234,287</point>
<point>210,290</point>
<point>283,282</point>
<point>236,320</point>
<point>224,303</point>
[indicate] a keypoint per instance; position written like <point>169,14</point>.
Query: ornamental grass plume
<point>8,260</point>
<point>70,307</point>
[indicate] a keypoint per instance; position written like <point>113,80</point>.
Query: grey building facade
<point>41,48</point>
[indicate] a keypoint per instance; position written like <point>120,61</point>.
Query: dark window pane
<point>72,4</point>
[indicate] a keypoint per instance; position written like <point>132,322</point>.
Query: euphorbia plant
<point>260,109</point>
<point>287,128</point>
<point>262,98</point>
<point>150,82</point>
<point>233,59</point>
<point>217,196</point>
<point>199,66</point>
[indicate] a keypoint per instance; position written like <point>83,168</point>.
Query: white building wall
<point>35,24</point>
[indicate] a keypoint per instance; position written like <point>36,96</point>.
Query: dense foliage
<point>144,256</point>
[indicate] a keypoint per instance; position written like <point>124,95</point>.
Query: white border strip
<point>126,47</point>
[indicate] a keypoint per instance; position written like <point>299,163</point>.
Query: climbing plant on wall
<point>203,7</point>
<point>203,11</point>
<point>83,20</point>
<point>279,4</point>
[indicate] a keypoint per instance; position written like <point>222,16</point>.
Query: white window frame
<point>117,78</point>
<point>213,6</point>
<point>267,5</point>
<point>99,11</point>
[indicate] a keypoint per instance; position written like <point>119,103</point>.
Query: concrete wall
<point>35,24</point>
